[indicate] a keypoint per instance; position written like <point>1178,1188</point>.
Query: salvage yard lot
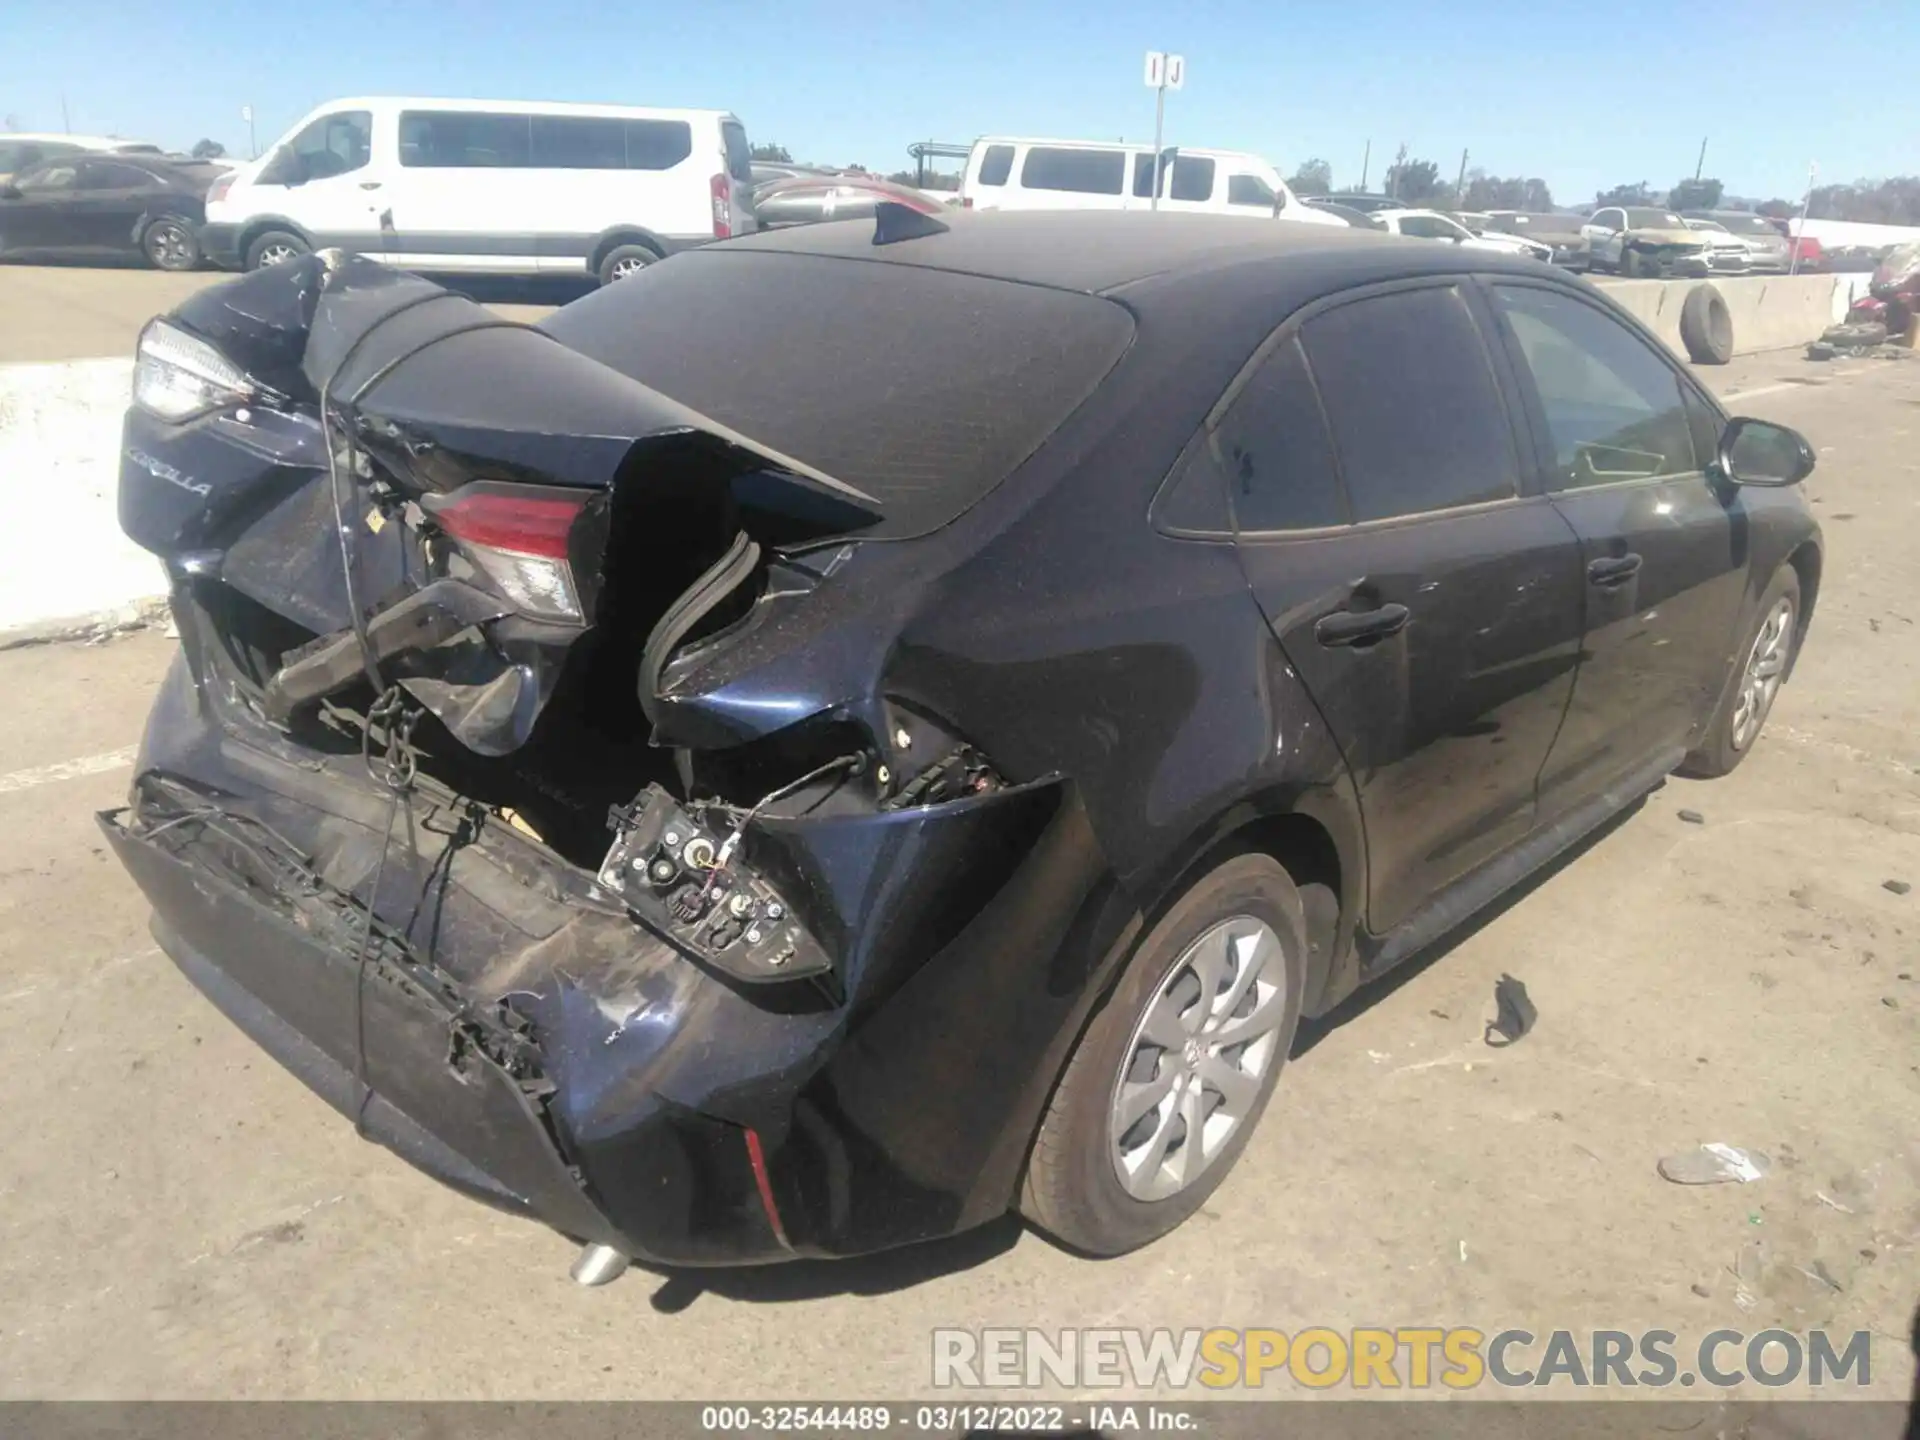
<point>182,1219</point>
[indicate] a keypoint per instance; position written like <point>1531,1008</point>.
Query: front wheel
<point>275,247</point>
<point>1749,695</point>
<point>1175,1069</point>
<point>170,245</point>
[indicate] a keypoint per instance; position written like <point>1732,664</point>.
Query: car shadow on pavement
<point>1315,1029</point>
<point>876,1274</point>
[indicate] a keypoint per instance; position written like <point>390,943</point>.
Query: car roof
<point>1146,145</point>
<point>81,142</point>
<point>518,107</point>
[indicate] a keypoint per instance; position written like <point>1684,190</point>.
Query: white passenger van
<point>1006,173</point>
<point>498,186</point>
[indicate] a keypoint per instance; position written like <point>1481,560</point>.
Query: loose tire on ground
<point>170,244</point>
<point>272,247</point>
<point>1073,1188</point>
<point>1706,326</point>
<point>624,260</point>
<point>1723,747</point>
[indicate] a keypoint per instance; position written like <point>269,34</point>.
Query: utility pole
<point>1701,163</point>
<point>66,126</point>
<point>1460,185</point>
<point>1366,159</point>
<point>1164,72</point>
<point>253,145</point>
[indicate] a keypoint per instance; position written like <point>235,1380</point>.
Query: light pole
<point>1164,72</point>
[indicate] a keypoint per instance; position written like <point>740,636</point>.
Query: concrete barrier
<point>65,566</point>
<point>1769,312</point>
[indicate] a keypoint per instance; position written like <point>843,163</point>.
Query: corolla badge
<point>160,470</point>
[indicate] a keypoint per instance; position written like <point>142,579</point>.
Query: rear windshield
<point>921,387</point>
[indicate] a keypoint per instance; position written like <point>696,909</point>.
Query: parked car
<point>1358,200</point>
<point>1561,234</point>
<point>1475,220</point>
<point>728,786</point>
<point>1727,254</point>
<point>809,199</point>
<point>19,149</point>
<point>1638,240</point>
<point>89,205</point>
<point>1358,219</point>
<point>1005,173</point>
<point>1768,250</point>
<point>1432,225</point>
<point>499,187</point>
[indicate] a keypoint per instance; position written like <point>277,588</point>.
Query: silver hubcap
<point>274,254</point>
<point>1193,1069</point>
<point>629,265</point>
<point>1766,665</point>
<point>169,244</point>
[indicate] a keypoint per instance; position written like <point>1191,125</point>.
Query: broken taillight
<point>520,537</point>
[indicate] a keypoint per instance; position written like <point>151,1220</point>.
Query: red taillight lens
<point>218,190</point>
<point>519,536</point>
<point>966,202</point>
<point>722,206</point>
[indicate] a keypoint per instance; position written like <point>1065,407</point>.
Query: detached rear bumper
<point>523,1039</point>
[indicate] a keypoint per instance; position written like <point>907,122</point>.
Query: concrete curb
<point>92,628</point>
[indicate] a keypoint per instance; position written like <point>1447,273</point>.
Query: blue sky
<point>1583,96</point>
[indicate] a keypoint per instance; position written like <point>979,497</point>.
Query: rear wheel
<point>1762,668</point>
<point>1176,1068</point>
<point>624,261</point>
<point>274,247</point>
<point>170,245</point>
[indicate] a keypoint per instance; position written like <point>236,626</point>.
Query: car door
<point>109,199</point>
<point>1604,231</point>
<point>42,214</point>
<point>1432,608</point>
<point>1623,447</point>
<point>332,181</point>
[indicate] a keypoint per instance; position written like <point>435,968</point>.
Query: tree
<point>777,154</point>
<point>936,180</point>
<point>1490,192</point>
<point>1894,201</point>
<point>1635,194</point>
<point>208,150</point>
<point>1415,182</point>
<point>1314,177</point>
<point>1695,195</point>
<point>1775,209</point>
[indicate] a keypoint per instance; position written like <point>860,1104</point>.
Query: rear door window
<point>1084,172</point>
<point>1272,445</point>
<point>1415,410</point>
<point>996,165</point>
<point>1614,410</point>
<point>739,154</point>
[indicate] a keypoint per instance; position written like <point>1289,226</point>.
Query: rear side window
<point>1273,446</point>
<point>578,142</point>
<point>996,165</point>
<point>926,417</point>
<point>1614,410</point>
<point>739,154</point>
<point>1192,179</point>
<point>1085,172</point>
<point>1410,394</point>
<point>663,144</point>
<point>464,140</point>
<point>105,175</point>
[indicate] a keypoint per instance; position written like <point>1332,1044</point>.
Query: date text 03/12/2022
<point>946,1419</point>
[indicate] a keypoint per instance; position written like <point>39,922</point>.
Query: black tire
<point>1720,750</point>
<point>624,260</point>
<point>266,248</point>
<point>1073,1190</point>
<point>1706,326</point>
<point>170,244</point>
<point>1855,333</point>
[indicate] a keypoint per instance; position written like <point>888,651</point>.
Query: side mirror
<point>1758,452</point>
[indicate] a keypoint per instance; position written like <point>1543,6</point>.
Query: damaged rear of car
<point>540,779</point>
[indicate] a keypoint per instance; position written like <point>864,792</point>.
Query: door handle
<point>369,184</point>
<point>1613,570</point>
<point>1360,627</point>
